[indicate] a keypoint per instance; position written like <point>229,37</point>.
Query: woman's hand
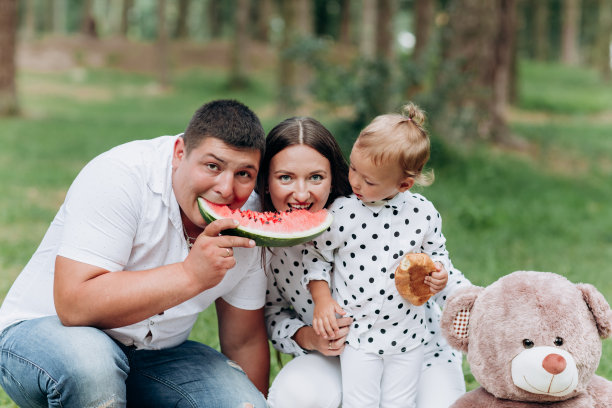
<point>437,280</point>
<point>306,338</point>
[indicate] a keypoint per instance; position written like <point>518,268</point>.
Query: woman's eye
<point>528,343</point>
<point>285,178</point>
<point>558,341</point>
<point>317,177</point>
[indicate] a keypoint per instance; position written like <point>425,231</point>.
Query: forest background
<point>517,93</point>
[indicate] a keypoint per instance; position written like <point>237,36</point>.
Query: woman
<point>303,167</point>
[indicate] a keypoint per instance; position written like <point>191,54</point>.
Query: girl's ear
<point>406,184</point>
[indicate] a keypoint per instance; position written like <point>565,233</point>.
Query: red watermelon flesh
<point>269,228</point>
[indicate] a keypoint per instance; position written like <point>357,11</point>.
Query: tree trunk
<point>88,22</point>
<point>304,24</point>
<point>264,15</point>
<point>181,31</point>
<point>345,22</point>
<point>502,69</point>
<point>125,20</point>
<point>8,35</point>
<point>304,30</point>
<point>162,45</point>
<point>29,28</point>
<point>465,77</point>
<point>367,41</point>
<point>214,18</point>
<point>287,66</point>
<point>384,29</point>
<point>238,78</point>
<point>570,32</point>
<point>541,29</point>
<point>604,37</point>
<point>59,17</point>
<point>424,11</point>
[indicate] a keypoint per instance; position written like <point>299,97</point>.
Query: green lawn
<point>546,208</point>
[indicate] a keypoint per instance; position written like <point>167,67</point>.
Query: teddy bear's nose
<point>554,363</point>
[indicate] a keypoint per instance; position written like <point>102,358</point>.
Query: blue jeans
<point>45,364</point>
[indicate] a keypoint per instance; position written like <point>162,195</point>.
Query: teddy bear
<point>533,339</point>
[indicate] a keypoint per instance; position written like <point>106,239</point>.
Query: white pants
<point>372,380</point>
<point>314,381</point>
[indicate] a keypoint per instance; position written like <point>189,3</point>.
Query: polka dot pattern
<point>363,247</point>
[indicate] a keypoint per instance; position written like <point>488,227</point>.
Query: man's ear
<point>179,151</point>
<point>406,184</point>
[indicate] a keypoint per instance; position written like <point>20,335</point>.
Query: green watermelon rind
<point>266,239</point>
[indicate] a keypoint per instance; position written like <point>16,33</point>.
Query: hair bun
<point>414,113</point>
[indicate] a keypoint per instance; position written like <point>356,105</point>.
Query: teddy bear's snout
<point>554,363</point>
<point>545,370</point>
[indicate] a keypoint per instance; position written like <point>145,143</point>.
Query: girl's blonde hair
<point>399,138</point>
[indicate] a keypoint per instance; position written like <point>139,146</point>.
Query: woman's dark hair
<point>309,132</point>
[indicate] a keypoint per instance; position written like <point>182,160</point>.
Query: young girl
<point>373,228</point>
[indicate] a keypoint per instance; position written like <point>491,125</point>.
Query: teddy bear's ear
<point>456,316</point>
<point>599,307</point>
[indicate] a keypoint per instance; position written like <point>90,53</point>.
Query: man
<point>101,314</point>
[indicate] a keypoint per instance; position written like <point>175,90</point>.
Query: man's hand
<point>212,255</point>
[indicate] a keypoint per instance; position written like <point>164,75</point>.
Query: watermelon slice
<point>272,229</point>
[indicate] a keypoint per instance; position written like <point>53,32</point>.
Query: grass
<point>546,208</point>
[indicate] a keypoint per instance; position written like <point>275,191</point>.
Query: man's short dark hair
<point>228,120</point>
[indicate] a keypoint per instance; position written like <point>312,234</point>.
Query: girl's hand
<point>324,318</point>
<point>437,280</point>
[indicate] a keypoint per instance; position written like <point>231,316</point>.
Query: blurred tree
<point>604,38</point>
<point>304,33</point>
<point>345,23</point>
<point>541,28</point>
<point>8,34</point>
<point>263,10</point>
<point>503,69</point>
<point>295,46</point>
<point>60,17</point>
<point>287,66</point>
<point>238,78</point>
<point>367,38</point>
<point>88,22</point>
<point>162,45</point>
<point>126,7</point>
<point>472,82</point>
<point>29,27</point>
<point>214,18</point>
<point>424,14</point>
<point>570,32</point>
<point>181,29</point>
<point>385,10</point>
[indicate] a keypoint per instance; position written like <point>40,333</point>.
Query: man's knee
<point>50,362</point>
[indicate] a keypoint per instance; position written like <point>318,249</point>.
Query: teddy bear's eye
<point>558,341</point>
<point>528,343</point>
